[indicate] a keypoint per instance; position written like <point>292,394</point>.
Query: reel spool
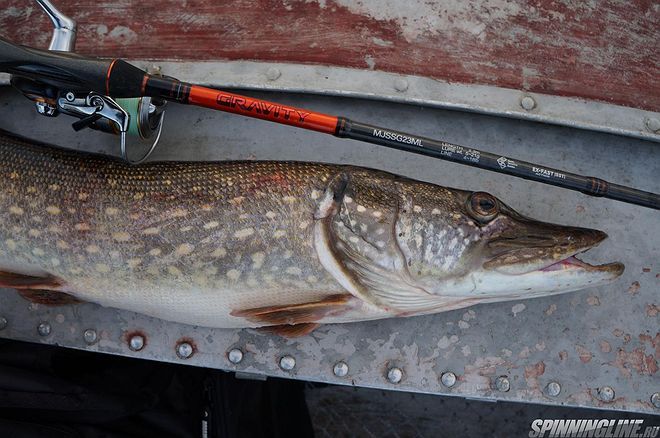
<point>145,120</point>
<point>145,116</point>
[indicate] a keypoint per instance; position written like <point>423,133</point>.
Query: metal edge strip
<point>377,85</point>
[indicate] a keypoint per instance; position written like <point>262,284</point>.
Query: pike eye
<point>483,206</point>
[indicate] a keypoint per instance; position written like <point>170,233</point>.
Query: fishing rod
<point>82,86</point>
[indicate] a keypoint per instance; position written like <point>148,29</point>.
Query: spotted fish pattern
<point>228,244</point>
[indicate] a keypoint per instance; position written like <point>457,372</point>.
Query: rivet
<point>553,389</point>
<point>70,96</point>
<point>528,103</point>
<point>502,384</point>
<point>235,355</point>
<point>448,379</point>
<point>184,350</point>
<point>3,322</point>
<point>655,399</point>
<point>606,393</point>
<point>653,124</point>
<point>394,375</point>
<point>136,343</point>
<point>287,363</point>
<point>401,84</point>
<point>90,336</point>
<point>43,329</point>
<point>273,73</point>
<point>340,369</point>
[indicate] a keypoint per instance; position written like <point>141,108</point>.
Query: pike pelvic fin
<point>296,314</point>
<point>291,331</point>
<point>26,282</point>
<point>37,289</point>
<point>48,297</point>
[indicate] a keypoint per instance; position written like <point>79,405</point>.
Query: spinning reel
<point>140,117</point>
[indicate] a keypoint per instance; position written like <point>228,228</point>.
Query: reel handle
<point>64,34</point>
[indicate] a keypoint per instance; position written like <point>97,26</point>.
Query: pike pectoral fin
<point>296,314</point>
<point>291,331</point>
<point>37,289</point>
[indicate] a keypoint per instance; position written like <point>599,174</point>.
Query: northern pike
<point>283,244</point>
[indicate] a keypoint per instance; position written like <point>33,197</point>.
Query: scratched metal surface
<point>584,340</point>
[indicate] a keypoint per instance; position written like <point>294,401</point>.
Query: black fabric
<point>273,408</point>
<point>54,392</point>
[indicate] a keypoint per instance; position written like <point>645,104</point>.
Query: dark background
<point>54,392</point>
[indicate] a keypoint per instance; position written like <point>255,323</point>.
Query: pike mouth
<point>573,263</point>
<point>570,264</point>
<point>526,255</point>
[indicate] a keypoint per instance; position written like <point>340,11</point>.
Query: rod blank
<point>497,163</point>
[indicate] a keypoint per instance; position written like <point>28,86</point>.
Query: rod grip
<point>71,71</point>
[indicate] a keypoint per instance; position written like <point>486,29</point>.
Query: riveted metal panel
<point>584,341</point>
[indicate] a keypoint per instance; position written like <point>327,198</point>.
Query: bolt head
<point>70,96</point>
<point>653,124</point>
<point>553,389</point>
<point>184,350</point>
<point>606,393</point>
<point>340,369</point>
<point>655,399</point>
<point>43,329</point>
<point>235,355</point>
<point>287,363</point>
<point>273,73</point>
<point>448,379</point>
<point>3,322</point>
<point>136,343</point>
<point>502,384</point>
<point>401,85</point>
<point>395,375</point>
<point>528,103</point>
<point>90,336</point>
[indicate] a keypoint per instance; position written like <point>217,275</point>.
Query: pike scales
<point>248,244</point>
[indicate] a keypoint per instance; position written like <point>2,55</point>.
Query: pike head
<point>411,247</point>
